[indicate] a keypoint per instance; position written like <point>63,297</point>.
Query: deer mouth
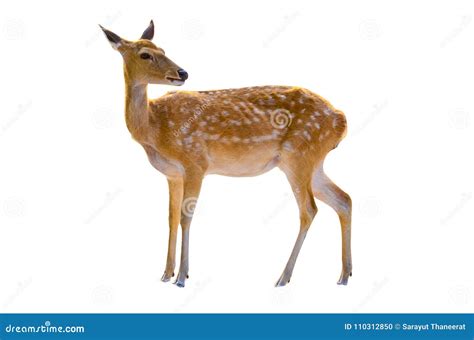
<point>175,81</point>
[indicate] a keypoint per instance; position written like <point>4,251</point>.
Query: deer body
<point>234,132</point>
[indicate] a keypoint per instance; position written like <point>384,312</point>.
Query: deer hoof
<point>166,277</point>
<point>180,280</point>
<point>344,278</point>
<point>282,281</point>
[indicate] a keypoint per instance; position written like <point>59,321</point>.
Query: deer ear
<point>149,32</point>
<point>113,38</point>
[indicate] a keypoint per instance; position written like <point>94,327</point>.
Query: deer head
<point>144,62</point>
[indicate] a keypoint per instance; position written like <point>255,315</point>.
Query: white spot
<point>258,111</point>
<point>263,138</point>
<point>316,125</point>
<point>247,121</point>
<point>235,122</point>
<point>243,105</point>
<point>225,113</point>
<point>170,123</point>
<point>300,100</point>
<point>334,123</point>
<point>188,140</point>
<point>299,121</point>
<point>246,140</point>
<point>308,124</point>
<point>235,139</point>
<point>288,146</point>
<point>327,111</point>
<point>282,96</point>
<point>307,135</point>
<point>256,119</point>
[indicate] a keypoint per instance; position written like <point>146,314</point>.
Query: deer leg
<point>301,186</point>
<point>192,187</point>
<point>176,197</point>
<point>328,192</point>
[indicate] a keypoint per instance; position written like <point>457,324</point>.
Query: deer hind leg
<point>192,187</point>
<point>301,186</point>
<point>176,197</point>
<point>328,192</point>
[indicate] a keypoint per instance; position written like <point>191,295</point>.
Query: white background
<point>83,216</point>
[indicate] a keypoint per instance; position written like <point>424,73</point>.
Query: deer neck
<point>136,106</point>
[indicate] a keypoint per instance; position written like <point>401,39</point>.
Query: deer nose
<point>182,74</point>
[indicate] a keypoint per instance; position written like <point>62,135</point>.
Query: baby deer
<point>232,132</point>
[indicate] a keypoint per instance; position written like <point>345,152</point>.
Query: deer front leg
<point>176,197</point>
<point>192,187</point>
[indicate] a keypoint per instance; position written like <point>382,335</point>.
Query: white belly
<point>163,165</point>
<point>243,167</point>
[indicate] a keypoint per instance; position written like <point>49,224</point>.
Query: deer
<point>236,132</point>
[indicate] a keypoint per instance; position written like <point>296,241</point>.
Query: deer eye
<point>145,56</point>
